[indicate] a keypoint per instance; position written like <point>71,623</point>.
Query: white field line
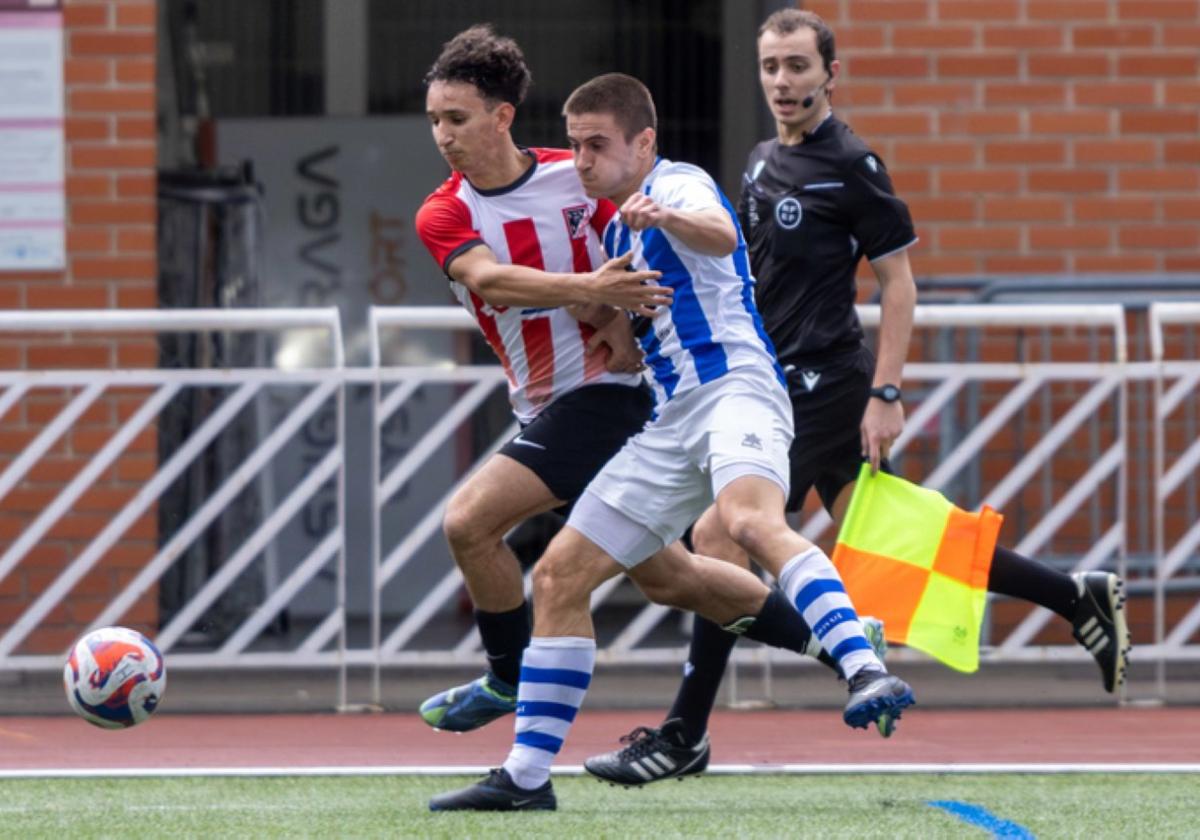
<point>577,770</point>
<point>158,808</point>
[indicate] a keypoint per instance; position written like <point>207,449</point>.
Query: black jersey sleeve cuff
<point>457,252</point>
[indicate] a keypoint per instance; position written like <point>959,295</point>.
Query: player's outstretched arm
<point>709,231</point>
<point>883,421</point>
<point>516,285</point>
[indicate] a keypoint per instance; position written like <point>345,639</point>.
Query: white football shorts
<point>668,474</point>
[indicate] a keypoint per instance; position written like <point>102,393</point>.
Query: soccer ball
<point>114,677</point>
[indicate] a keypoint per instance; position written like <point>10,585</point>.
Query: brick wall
<point>1035,136</point>
<point>109,72</point>
<point>1032,135</point>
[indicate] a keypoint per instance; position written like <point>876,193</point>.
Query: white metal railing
<point>1106,387</point>
<point>1169,478</point>
<point>394,638</point>
<point>241,387</point>
<point>385,566</point>
<point>1107,380</point>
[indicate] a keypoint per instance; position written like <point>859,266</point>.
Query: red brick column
<point>109,74</point>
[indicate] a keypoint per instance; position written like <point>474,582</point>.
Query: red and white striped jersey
<point>545,221</point>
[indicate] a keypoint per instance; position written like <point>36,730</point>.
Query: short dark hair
<point>627,99</point>
<point>787,21</point>
<point>493,64</point>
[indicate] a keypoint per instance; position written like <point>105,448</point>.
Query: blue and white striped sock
<point>813,585</point>
<point>555,673</point>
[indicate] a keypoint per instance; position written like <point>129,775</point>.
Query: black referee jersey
<point>810,212</point>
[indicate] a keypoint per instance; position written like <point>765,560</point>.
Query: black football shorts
<point>828,402</point>
<point>577,434</point>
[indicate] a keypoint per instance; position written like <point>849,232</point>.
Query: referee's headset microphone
<point>807,101</point>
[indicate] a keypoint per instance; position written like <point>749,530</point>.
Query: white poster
<point>32,203</point>
<point>341,196</point>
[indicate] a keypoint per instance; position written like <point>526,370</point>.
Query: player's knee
<point>461,526</point>
<point>748,528</point>
<point>554,587</point>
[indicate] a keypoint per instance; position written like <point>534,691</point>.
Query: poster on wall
<point>32,201</point>
<point>341,196</point>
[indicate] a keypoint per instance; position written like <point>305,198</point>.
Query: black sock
<point>505,636</point>
<point>707,657</point>
<point>829,662</point>
<point>777,624</point>
<point>1029,580</point>
<point>780,625</point>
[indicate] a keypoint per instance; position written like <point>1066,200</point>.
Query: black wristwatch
<point>888,393</point>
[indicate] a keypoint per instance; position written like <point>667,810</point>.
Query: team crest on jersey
<point>788,213</point>
<point>576,218</point>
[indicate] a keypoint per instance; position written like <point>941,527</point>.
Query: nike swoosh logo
<point>519,803</point>
<point>523,442</point>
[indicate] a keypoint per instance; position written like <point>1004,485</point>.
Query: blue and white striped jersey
<point>712,325</point>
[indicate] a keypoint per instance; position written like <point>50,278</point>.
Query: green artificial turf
<point>893,806</point>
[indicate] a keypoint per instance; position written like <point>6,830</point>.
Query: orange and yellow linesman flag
<point>911,558</point>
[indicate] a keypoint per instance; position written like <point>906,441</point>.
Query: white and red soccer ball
<point>114,677</point>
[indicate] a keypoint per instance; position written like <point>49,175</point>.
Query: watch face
<point>887,393</point>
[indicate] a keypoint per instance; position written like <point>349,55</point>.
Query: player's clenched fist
<point>640,211</point>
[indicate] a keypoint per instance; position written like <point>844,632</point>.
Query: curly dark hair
<point>493,64</point>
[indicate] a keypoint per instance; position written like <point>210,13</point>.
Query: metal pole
<point>1160,423</point>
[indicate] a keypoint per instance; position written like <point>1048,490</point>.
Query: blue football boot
<point>873,694</point>
<point>467,707</point>
<point>873,630</point>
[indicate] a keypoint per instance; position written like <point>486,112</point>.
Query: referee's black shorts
<point>577,434</point>
<point>828,402</point>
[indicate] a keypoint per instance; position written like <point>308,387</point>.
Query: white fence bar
<point>1174,312</point>
<point>167,473</point>
<point>171,320</point>
<point>979,315</point>
<point>243,385</point>
<point>40,445</point>
<point>1107,377</point>
<point>240,559</point>
<point>1172,643</point>
<point>59,506</point>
